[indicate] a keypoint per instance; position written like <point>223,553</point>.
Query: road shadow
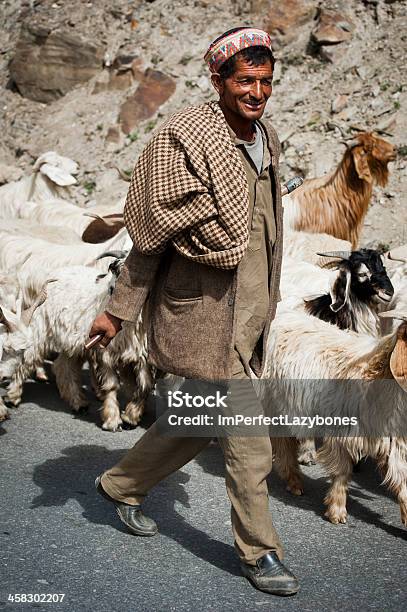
<point>45,395</point>
<point>71,476</point>
<point>365,485</point>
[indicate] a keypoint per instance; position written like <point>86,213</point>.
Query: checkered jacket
<point>189,188</point>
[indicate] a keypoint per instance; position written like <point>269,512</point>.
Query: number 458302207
<point>36,597</point>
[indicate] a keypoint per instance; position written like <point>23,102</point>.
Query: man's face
<point>246,92</point>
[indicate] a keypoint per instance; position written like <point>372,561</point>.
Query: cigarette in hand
<point>94,340</point>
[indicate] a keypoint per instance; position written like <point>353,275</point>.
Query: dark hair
<point>256,55</point>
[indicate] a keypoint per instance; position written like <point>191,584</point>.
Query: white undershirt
<point>256,149</point>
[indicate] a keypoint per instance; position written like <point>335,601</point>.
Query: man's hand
<point>107,325</point>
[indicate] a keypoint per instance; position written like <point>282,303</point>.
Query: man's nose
<point>256,90</point>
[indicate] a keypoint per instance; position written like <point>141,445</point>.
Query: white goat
<point>35,260</point>
<point>65,214</point>
<point>304,246</point>
<point>305,348</point>
<point>50,233</point>
<point>51,176</point>
<point>61,324</point>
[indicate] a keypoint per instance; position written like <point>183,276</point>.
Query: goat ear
<point>8,319</point>
<point>340,291</point>
<point>57,175</point>
<point>361,165</point>
<point>28,313</point>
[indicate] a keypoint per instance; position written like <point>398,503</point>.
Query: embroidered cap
<point>232,42</point>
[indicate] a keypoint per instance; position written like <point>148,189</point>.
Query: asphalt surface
<point>57,536</point>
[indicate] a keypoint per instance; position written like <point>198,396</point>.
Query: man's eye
<point>267,82</point>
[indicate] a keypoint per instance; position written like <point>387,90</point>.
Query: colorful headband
<point>227,46</point>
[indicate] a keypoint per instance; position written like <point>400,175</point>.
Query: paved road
<point>58,536</point>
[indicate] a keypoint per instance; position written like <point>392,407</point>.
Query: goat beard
<point>380,172</point>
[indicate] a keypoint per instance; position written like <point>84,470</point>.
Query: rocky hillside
<point>91,80</point>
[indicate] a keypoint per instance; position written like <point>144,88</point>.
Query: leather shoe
<point>271,576</point>
<point>131,516</point>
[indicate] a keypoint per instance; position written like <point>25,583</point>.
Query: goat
<point>35,260</point>
<point>305,348</point>
<point>61,324</point>
<point>51,176</point>
<point>304,246</point>
<point>337,203</point>
<point>350,300</point>
<point>50,233</point>
<point>102,228</point>
<point>360,287</point>
<point>105,224</point>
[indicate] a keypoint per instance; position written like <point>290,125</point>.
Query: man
<point>204,213</point>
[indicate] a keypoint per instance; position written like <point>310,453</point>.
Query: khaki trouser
<point>248,462</point>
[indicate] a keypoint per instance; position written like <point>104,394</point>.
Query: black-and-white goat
<point>361,286</point>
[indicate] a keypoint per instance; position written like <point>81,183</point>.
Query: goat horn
<point>106,220</point>
<point>113,221</point>
<point>337,254</point>
<point>122,174</point>
<point>389,256</point>
<point>93,215</point>
<point>352,143</point>
<point>40,299</point>
<point>25,260</point>
<point>334,125</point>
<point>116,254</point>
<point>394,314</point>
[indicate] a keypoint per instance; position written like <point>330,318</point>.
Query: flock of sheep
<point>342,315</point>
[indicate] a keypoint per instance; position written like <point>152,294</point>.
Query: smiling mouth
<point>253,104</point>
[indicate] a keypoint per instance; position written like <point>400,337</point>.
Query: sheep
<point>337,203</point>
<point>60,323</point>
<point>106,223</point>
<point>304,348</point>
<point>52,175</point>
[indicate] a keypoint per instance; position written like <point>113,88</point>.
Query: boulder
<point>47,64</point>
<point>332,27</point>
<point>122,74</point>
<point>113,81</point>
<point>284,17</point>
<point>155,88</point>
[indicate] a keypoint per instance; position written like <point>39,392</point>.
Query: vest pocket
<point>182,295</point>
